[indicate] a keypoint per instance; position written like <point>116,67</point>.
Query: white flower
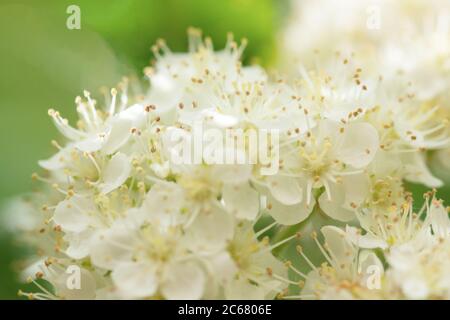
<point>440,159</point>
<point>187,80</point>
<point>405,44</point>
<point>401,153</point>
<point>331,156</point>
<point>148,260</point>
<point>420,267</point>
<point>202,185</point>
<point>423,125</point>
<point>98,131</point>
<point>421,271</point>
<point>399,224</point>
<point>385,183</point>
<point>247,270</point>
<point>348,273</point>
<point>73,167</point>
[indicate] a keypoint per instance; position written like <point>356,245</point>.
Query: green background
<point>44,65</point>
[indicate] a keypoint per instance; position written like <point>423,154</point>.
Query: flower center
<point>242,248</point>
<point>199,189</point>
<point>315,158</point>
<point>385,192</point>
<point>158,246</point>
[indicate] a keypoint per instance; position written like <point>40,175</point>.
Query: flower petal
<point>184,281</point>
<point>91,144</point>
<point>211,230</point>
<point>111,247</point>
<point>59,160</point>
<point>356,188</point>
<point>232,173</point>
<point>367,240</point>
<point>289,215</point>
<point>340,246</point>
<point>135,280</point>
<point>79,244</point>
<point>241,200</point>
<point>334,208</point>
<point>163,203</point>
<point>116,173</point>
<point>285,189</point>
<point>119,134</point>
<point>358,144</point>
<point>74,214</point>
<point>417,170</point>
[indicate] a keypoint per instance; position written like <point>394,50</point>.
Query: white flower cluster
<point>140,225</point>
<point>404,43</point>
<point>415,247</point>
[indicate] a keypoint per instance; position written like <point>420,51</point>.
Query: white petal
<point>367,241</point>
<point>163,203</point>
<point>112,247</point>
<point>359,144</point>
<point>135,113</point>
<point>58,161</point>
<point>218,119</point>
<point>184,281</point>
<point>74,214</point>
<point>79,244</point>
<point>91,144</point>
<point>340,246</point>
<point>116,173</point>
<point>385,163</point>
<point>135,280</point>
<point>285,189</point>
<point>334,208</point>
<point>314,283</point>
<point>415,288</point>
<point>289,215</point>
<point>119,134</point>
<point>439,220</point>
<point>254,74</point>
<point>241,200</point>
<point>356,188</point>
<point>233,174</point>
<point>161,170</point>
<point>417,170</point>
<point>223,266</point>
<point>163,92</point>
<point>211,230</point>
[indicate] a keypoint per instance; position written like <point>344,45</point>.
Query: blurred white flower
<point>419,267</point>
<point>348,273</point>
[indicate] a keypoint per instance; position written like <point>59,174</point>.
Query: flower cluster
<point>405,44</point>
<point>141,220</point>
<point>415,247</point>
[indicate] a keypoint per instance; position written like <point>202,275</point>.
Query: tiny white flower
<point>345,274</point>
<point>331,156</point>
